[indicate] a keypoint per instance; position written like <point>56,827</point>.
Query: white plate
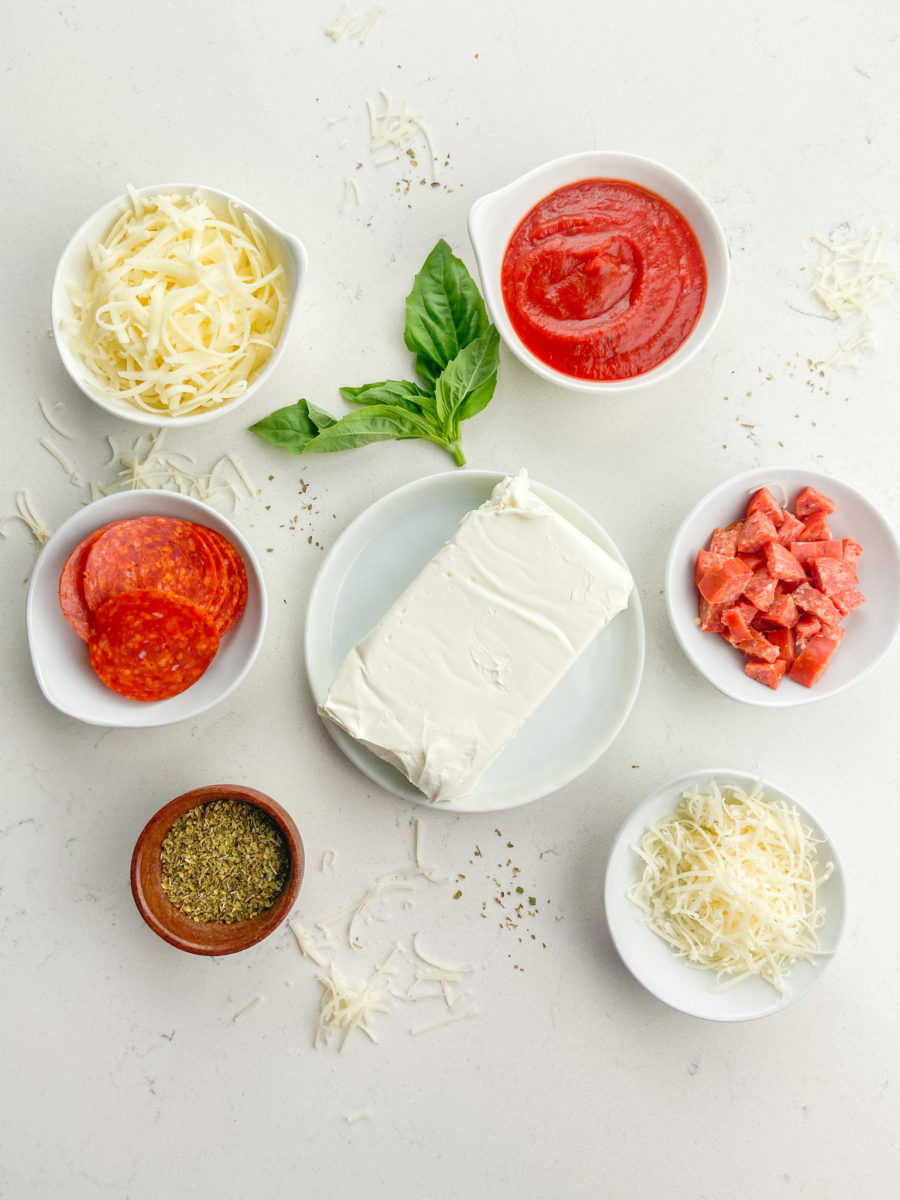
<point>60,657</point>
<point>382,552</point>
<point>871,629</point>
<point>651,960</point>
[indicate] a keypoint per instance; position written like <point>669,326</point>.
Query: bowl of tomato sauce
<point>603,272</point>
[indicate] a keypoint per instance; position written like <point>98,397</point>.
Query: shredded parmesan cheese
<point>730,882</point>
<point>182,306</point>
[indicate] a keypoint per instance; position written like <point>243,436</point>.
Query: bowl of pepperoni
<point>781,586</point>
<point>144,608</point>
<point>603,272</point>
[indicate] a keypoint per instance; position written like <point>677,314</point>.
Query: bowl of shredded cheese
<point>172,304</point>
<point>724,896</point>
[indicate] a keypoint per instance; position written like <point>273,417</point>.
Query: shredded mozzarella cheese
<point>182,306</point>
<point>730,882</point>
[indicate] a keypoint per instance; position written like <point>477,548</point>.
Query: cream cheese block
<point>491,624</point>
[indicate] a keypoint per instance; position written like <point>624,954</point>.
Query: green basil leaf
<point>398,392</point>
<point>372,423</point>
<point>444,312</point>
<point>290,428</point>
<point>467,383</point>
<point>319,416</point>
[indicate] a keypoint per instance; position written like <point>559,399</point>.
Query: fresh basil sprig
<point>457,353</point>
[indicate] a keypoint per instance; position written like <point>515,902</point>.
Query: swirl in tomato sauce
<point>603,279</point>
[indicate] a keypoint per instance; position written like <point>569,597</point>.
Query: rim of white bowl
<point>295,258</point>
<point>490,234</point>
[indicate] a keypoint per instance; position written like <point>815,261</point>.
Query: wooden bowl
<point>209,937</point>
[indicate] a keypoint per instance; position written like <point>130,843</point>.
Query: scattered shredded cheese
<point>26,514</point>
<point>853,277</point>
<point>347,1005</point>
<point>251,1007</point>
<point>182,306</point>
<point>338,26</point>
<point>395,128</point>
<point>48,417</point>
<point>730,882</point>
<point>56,453</point>
<point>427,871</point>
<point>361,32</point>
<point>349,195</point>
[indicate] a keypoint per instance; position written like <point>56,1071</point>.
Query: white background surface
<point>124,1073</point>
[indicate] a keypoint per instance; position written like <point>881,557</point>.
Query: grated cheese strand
<point>730,882</point>
<point>182,307</point>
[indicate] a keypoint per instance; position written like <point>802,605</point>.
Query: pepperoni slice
<point>158,553</point>
<point>233,586</point>
<point>149,645</point>
<point>71,586</point>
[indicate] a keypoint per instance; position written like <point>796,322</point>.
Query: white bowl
<point>870,629</point>
<point>494,218</point>
<point>655,965</point>
<point>60,657</point>
<point>74,267</point>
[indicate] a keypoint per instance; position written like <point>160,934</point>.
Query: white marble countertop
<point>125,1073</point>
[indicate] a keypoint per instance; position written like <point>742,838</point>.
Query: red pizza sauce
<point>603,279</point>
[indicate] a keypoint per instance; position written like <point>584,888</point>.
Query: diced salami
<point>789,529</point>
<point>776,585</point>
<point>710,616</point>
<point>707,560</point>
<point>804,551</point>
<point>737,625</point>
<point>151,645</point>
<point>756,646</point>
<point>762,500</point>
<point>851,551</point>
<point>781,564</point>
<point>810,501</point>
<point>724,541</point>
<point>813,601</point>
<point>811,663</point>
<point>71,586</point>
<point>759,589</point>
<point>158,553</point>
<point>754,561</point>
<point>769,673</point>
<point>815,529</point>
<point>783,639</point>
<point>724,584</point>
<point>783,612</point>
<point>758,529</point>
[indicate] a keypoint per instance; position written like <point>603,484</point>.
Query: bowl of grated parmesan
<point>724,896</point>
<point>173,303</point>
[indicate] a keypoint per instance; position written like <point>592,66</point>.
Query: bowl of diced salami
<point>782,586</point>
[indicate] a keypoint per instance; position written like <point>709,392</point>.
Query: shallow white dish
<point>871,629</point>
<point>655,965</point>
<point>60,657</point>
<point>375,559</point>
<point>494,218</point>
<point>74,266</point>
